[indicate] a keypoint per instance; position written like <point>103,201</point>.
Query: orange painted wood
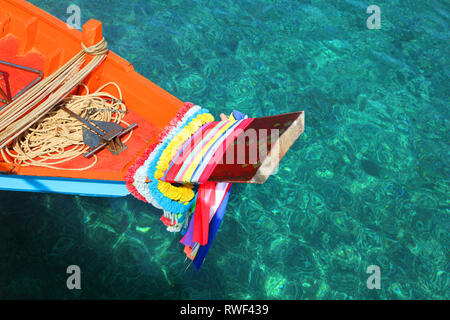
<point>34,38</point>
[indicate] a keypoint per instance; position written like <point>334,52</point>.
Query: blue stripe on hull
<point>84,187</point>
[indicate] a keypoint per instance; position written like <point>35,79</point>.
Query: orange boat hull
<point>32,37</point>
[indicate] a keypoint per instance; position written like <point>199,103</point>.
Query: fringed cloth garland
<point>163,176</point>
<point>174,199</point>
<point>58,137</point>
<point>136,176</point>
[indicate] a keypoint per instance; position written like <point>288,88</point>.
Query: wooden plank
<point>258,150</point>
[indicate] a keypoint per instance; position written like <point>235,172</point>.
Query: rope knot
<point>97,49</point>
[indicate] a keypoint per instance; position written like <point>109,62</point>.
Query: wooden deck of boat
<point>11,79</point>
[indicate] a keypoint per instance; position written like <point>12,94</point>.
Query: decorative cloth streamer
<point>212,198</point>
<point>206,198</point>
<point>213,227</point>
<point>137,176</point>
<point>162,199</point>
<point>198,157</point>
<point>187,152</point>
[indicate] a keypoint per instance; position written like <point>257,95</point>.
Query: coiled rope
<point>22,113</point>
<point>58,137</point>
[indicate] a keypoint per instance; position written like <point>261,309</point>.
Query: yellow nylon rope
<point>58,137</point>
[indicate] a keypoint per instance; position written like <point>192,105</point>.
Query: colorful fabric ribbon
<point>187,152</point>
<point>198,157</point>
<point>212,200</point>
<point>213,227</point>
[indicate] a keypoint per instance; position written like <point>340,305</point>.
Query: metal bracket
<point>6,95</point>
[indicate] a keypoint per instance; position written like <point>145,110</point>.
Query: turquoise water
<point>366,184</point>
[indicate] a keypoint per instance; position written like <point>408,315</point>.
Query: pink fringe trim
<point>129,176</point>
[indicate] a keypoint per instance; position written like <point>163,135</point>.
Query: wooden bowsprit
<point>262,145</point>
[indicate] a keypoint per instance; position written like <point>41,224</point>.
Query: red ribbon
<point>205,200</point>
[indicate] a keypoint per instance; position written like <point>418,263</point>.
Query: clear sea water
<point>366,184</point>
